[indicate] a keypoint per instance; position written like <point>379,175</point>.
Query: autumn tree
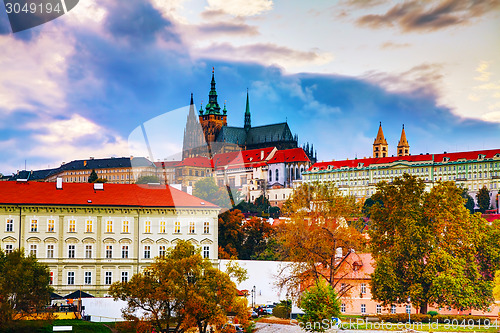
<point>318,238</point>
<point>483,199</point>
<point>181,288</point>
<point>230,234</point>
<point>319,303</point>
<point>24,286</point>
<point>428,246</point>
<point>256,233</point>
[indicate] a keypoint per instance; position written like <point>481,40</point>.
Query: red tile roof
<point>201,162</point>
<point>289,155</point>
<point>246,158</point>
<point>167,164</point>
<point>83,194</point>
<point>437,158</point>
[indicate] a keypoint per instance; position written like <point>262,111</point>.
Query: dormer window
<point>446,159</point>
<point>481,157</point>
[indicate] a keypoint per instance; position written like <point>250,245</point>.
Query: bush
<point>432,313</point>
<point>282,311</point>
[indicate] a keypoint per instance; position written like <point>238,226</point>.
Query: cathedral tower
<point>194,141</point>
<point>403,146</point>
<point>212,119</point>
<point>380,146</point>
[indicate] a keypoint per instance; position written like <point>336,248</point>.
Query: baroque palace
<point>471,170</point>
<point>91,235</point>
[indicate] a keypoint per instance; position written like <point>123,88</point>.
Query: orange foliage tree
<point>319,237</point>
<point>181,290</point>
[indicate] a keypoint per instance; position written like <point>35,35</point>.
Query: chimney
<point>59,182</point>
<point>98,186</point>
<point>261,155</point>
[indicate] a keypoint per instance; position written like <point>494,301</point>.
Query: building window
<point>191,227</point>
<point>393,309</point>
<point>34,225</point>
<point>147,252</point>
<point>88,251</point>
<point>9,226</point>
<point>109,226</point>
<point>71,251</point>
<point>125,251</point>
<point>87,278</point>
<point>108,277</point>
<point>50,225</point>
<point>162,250</point>
<point>71,278</point>
<point>72,226</point>
<point>147,227</point>
<point>9,248</point>
<point>163,228</point>
<point>50,251</point>
<point>125,226</point>
<point>177,227</point>
<point>206,227</point>
<point>270,175</point>
<point>363,288</point>
<point>408,309</point>
<point>277,175</point>
<point>206,251</point>
<point>33,248</point>
<point>124,277</point>
<point>379,308</point>
<point>342,308</point>
<point>109,251</point>
<point>51,282</point>
<point>88,226</point>
<point>363,308</point>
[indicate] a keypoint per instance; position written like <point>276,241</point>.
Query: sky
<point>84,84</point>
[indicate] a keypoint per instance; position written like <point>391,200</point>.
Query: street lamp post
<point>253,295</point>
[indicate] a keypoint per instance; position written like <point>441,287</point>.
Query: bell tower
<point>212,119</point>
<point>380,146</point>
<point>403,145</point>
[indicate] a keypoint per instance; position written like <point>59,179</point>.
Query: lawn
<point>43,326</point>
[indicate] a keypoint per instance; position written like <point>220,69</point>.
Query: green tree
<point>319,303</point>
<point>483,199</point>
<point>24,286</point>
<point>318,239</point>
<point>147,180</point>
<point>207,189</point>
<point>93,176</point>
<point>469,201</point>
<point>428,246</point>
<point>181,288</point>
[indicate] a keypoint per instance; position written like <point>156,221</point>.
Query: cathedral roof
<point>255,135</point>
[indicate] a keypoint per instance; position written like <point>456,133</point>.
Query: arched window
<point>297,174</point>
<point>277,174</point>
<point>270,175</point>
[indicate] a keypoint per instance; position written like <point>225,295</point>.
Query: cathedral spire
<point>403,145</point>
<point>380,146</point>
<point>212,106</point>
<point>248,123</point>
